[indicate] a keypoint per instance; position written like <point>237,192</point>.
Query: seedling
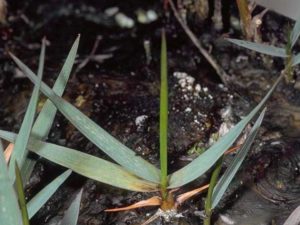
<point>14,210</point>
<point>130,172</point>
<point>291,60</point>
<point>135,173</point>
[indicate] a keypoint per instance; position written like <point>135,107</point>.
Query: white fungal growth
<point>187,84</point>
<point>188,109</point>
<point>169,214</point>
<point>124,21</point>
<point>146,17</point>
<point>198,88</point>
<point>139,121</point>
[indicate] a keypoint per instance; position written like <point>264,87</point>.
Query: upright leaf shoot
<point>163,119</point>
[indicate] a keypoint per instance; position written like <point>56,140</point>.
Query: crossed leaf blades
<point>131,171</point>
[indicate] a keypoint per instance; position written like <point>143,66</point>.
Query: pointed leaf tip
<point>295,32</point>
<point>261,48</point>
<point>229,174</point>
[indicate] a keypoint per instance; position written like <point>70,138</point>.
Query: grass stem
<point>163,120</point>
<point>212,184</point>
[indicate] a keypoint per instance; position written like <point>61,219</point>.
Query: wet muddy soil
<point>118,88</point>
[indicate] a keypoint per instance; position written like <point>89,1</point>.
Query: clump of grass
<point>128,171</point>
<point>217,189</point>
<point>14,209</point>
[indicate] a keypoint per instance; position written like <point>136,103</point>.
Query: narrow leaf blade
<point>107,143</point>
<point>295,32</point>
<point>261,48</point>
<point>20,152</point>
<point>163,115</point>
<point>229,174</point>
<point>207,159</point>
<point>71,215</point>
<point>45,118</point>
<point>21,196</point>
<point>29,163</point>
<point>296,60</point>
<point>10,213</point>
<point>39,200</point>
<point>86,165</point>
<point>44,121</point>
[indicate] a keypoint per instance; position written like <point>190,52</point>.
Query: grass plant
<point>126,170</point>
<point>217,189</point>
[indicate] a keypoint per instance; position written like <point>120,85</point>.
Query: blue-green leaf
<point>261,48</point>
<point>230,172</point>
<point>296,60</point>
<point>10,213</point>
<point>295,32</point>
<point>45,118</point>
<point>71,215</point>
<point>207,159</point>
<point>39,200</point>
<point>107,143</point>
<point>86,165</point>
<point>19,153</point>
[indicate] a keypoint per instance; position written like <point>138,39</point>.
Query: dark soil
<point>119,87</point>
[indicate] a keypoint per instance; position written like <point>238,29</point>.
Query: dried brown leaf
<point>8,151</point>
<point>187,195</point>
<point>153,201</point>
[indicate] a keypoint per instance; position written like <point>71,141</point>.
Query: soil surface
<point>119,89</point>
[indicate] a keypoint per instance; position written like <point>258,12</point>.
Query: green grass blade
<point>29,163</point>
<point>230,172</point>
<point>163,115</point>
<point>39,200</point>
<point>295,32</point>
<point>296,60</point>
<point>212,183</point>
<point>21,196</point>
<point>44,121</point>
<point>261,48</point>
<point>107,143</point>
<point>45,118</point>
<point>19,153</point>
<point>71,215</point>
<point>207,159</point>
<point>10,213</point>
<point>86,165</point>
<point>27,168</point>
